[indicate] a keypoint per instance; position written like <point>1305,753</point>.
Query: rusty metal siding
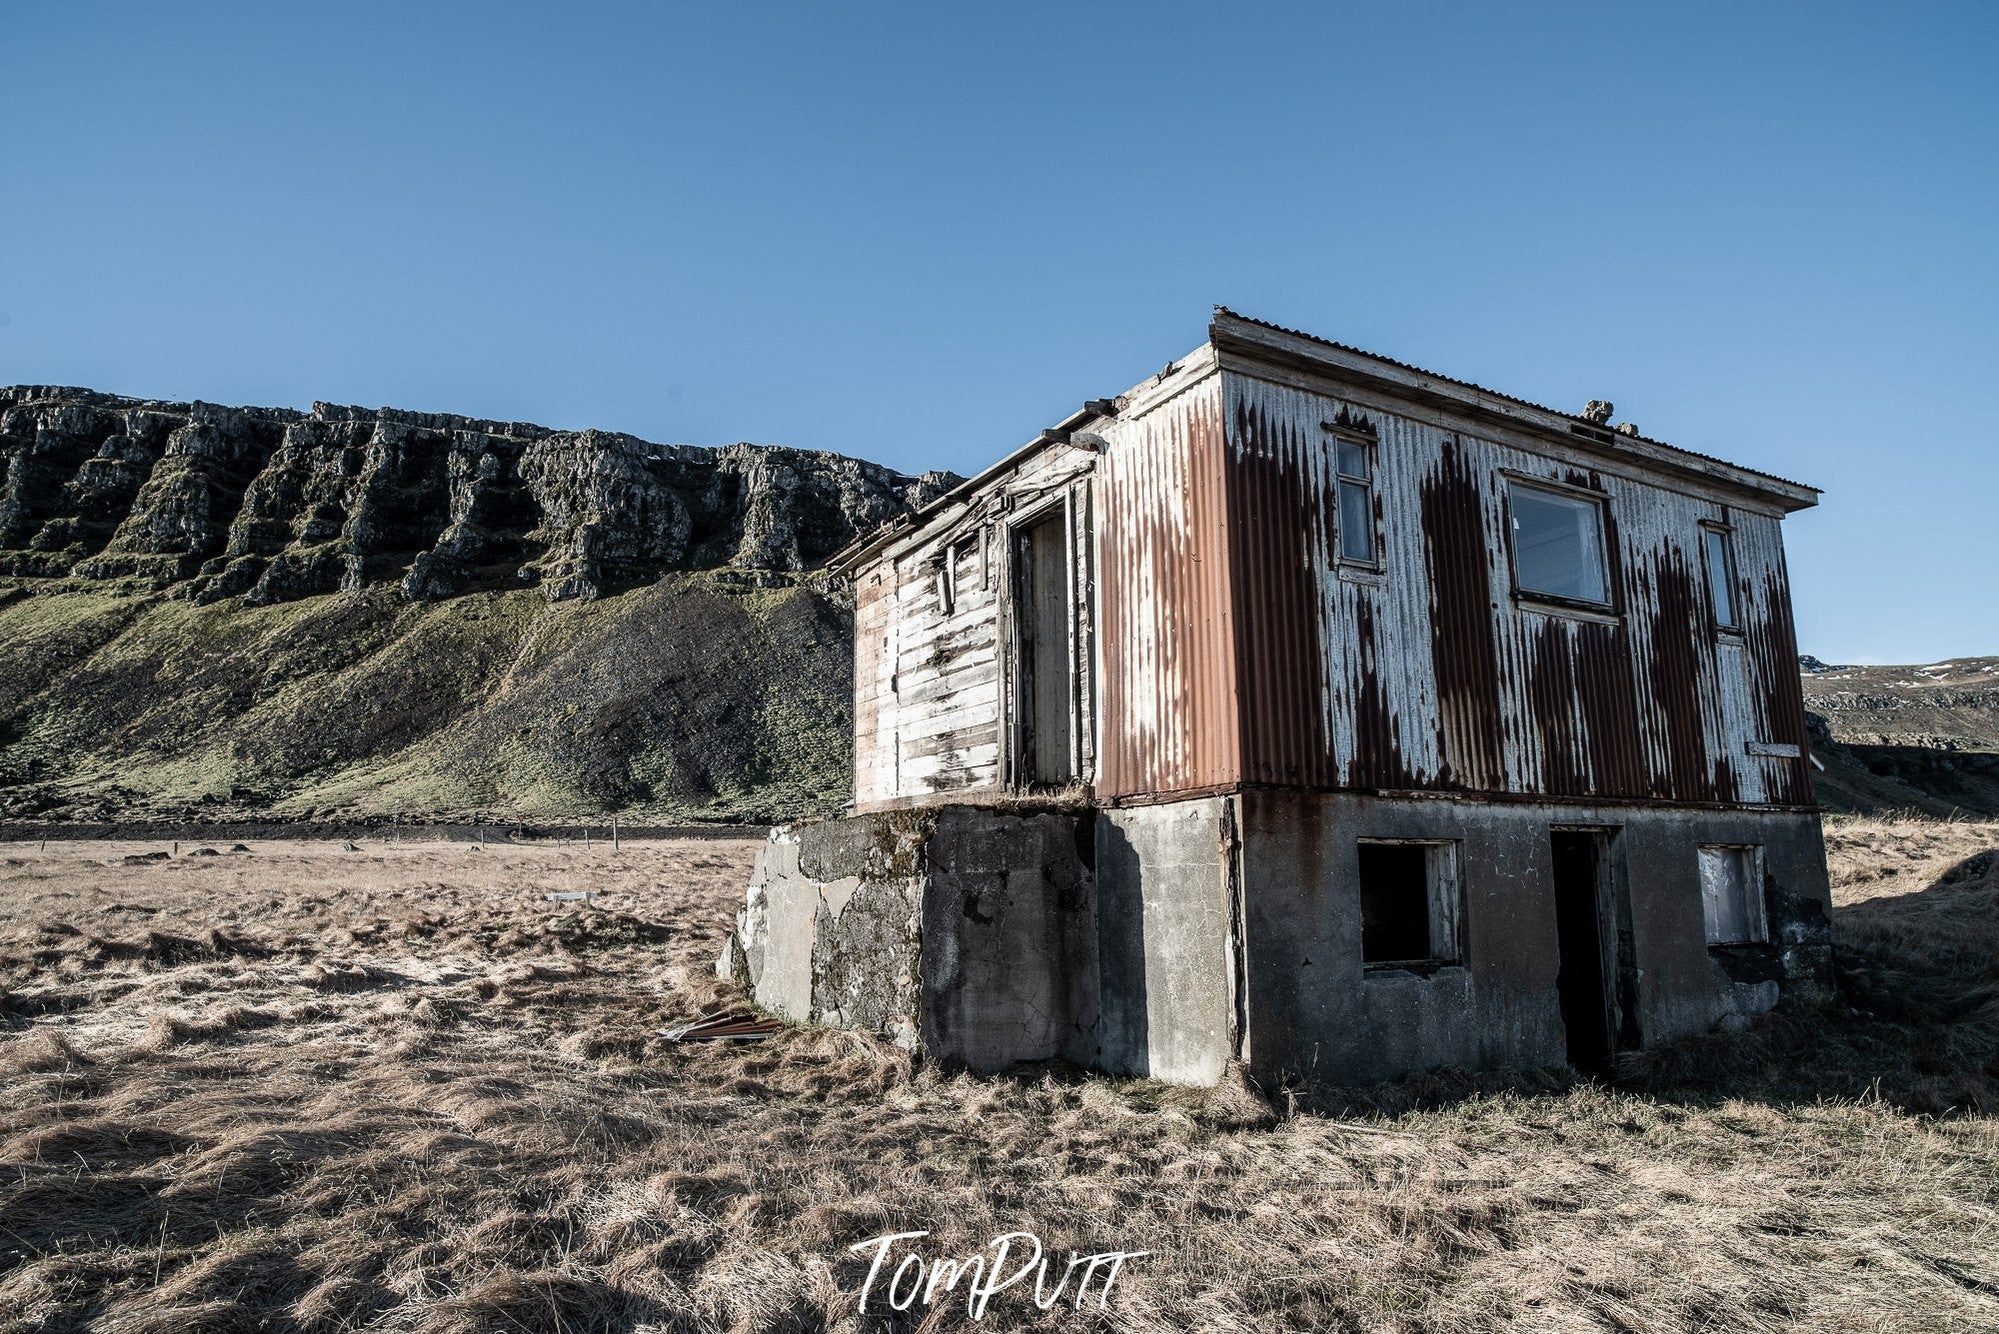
<point>1429,674</point>
<point>1166,634</point>
<point>1776,697</point>
<point>1218,641</point>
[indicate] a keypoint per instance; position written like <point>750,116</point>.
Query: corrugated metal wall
<point>1429,675</point>
<point>1166,617</point>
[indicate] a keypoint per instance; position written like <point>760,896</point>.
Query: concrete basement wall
<point>1164,940</point>
<point>984,937</point>
<point>829,931</point>
<point>1317,1012</point>
<point>1009,939</point>
<point>967,933</point>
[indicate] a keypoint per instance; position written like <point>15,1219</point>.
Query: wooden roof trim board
<point>1177,377</point>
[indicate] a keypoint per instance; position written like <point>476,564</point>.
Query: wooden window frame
<point>1372,447</point>
<point>1444,887</point>
<point>1612,604</point>
<point>1732,628</point>
<point>1755,909</point>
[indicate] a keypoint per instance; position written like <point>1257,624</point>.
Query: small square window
<point>1732,893</point>
<point>1720,576</point>
<point>1408,902</point>
<point>1558,545</point>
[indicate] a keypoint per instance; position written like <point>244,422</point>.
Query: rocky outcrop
<point>273,504</point>
<point>1951,705</point>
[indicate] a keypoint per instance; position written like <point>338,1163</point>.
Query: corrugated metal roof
<point>1494,393</point>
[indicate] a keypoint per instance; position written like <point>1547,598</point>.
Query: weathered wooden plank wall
<point>932,674</point>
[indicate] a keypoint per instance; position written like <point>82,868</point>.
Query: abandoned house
<point>1303,708</point>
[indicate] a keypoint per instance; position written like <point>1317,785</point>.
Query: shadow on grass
<point>1915,1021</point>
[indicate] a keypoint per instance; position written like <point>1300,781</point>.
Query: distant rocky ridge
<point>1950,705</point>
<point>276,504</point>
<point>1924,737</point>
<point>219,614</point>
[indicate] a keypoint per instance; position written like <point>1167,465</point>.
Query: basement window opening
<point>1408,903</point>
<point>1719,546</point>
<point>1732,894</point>
<point>1354,470</point>
<point>1557,545</point>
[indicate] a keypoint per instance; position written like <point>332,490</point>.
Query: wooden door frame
<point>1013,749</point>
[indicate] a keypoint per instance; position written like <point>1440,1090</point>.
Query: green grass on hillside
<point>694,698</point>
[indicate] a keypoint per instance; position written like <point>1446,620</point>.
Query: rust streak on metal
<point>1676,678</point>
<point>1168,636</point>
<point>1609,698</point>
<point>1459,560</point>
<point>1277,512</point>
<point>1774,646</point>
<point>1377,758</point>
<point>1551,692</point>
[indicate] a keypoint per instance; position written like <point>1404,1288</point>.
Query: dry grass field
<point>303,1088</point>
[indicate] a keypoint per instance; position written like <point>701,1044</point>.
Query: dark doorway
<point>1579,865</point>
<point>1045,693</point>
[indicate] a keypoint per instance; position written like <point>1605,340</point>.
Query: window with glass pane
<point>1732,894</point>
<point>1356,501</point>
<point>1721,577</point>
<point>1558,545</point>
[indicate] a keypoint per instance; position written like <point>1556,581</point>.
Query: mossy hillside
<point>690,698</point>
<point>44,637</point>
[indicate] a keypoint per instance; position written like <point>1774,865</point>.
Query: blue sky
<point>918,233</point>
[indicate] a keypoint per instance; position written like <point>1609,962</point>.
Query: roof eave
<point>1258,341</point>
<point>849,558</point>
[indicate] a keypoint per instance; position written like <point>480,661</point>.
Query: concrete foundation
<point>1317,1011</point>
<point>1166,927</point>
<point>1166,940</point>
<point>968,934</point>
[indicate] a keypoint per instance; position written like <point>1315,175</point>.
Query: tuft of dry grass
<point>323,1090</point>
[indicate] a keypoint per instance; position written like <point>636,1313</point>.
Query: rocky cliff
<point>1941,705</point>
<point>275,504</point>
<point>239,610</point>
